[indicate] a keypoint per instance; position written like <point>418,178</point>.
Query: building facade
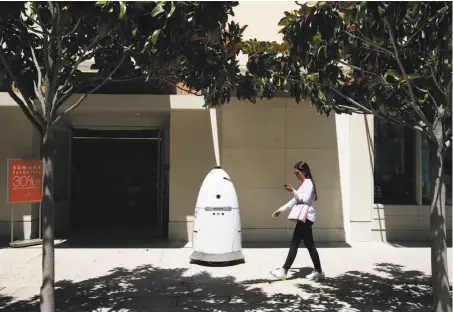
<point>371,177</point>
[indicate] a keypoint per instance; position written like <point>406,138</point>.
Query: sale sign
<point>24,181</point>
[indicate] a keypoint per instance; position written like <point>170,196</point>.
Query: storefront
<point>355,162</point>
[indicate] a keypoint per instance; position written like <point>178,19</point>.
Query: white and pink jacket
<point>305,194</point>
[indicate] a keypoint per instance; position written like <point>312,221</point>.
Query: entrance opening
<point>115,186</point>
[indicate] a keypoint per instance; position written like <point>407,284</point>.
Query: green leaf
<point>283,22</point>
<point>392,73</point>
<point>101,3</point>
<point>145,46</point>
<point>157,10</point>
<point>425,98</point>
<point>414,76</point>
<point>381,11</point>
<point>155,36</point>
<point>172,10</point>
<point>313,76</point>
<point>122,9</point>
<point>129,48</point>
<point>259,93</point>
<point>443,10</point>
<point>322,97</point>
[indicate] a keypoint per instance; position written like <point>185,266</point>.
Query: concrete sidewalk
<point>365,277</point>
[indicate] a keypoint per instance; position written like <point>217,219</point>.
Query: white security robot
<point>217,224</point>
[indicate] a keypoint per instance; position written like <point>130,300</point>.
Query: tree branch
<point>28,104</point>
<point>350,109</point>
<point>359,106</point>
<point>38,85</point>
<point>430,95</point>
<point>44,39</point>
<point>347,98</point>
<point>73,89</point>
<point>413,102</point>
<point>83,97</point>
<point>40,32</point>
<point>55,50</point>
<point>82,58</point>
<point>448,134</point>
<point>357,68</point>
<point>126,79</point>
<point>436,82</point>
<point>368,111</point>
<point>65,96</point>
<point>413,36</point>
<point>370,43</point>
<point>437,116</point>
<point>365,71</point>
<point>26,111</point>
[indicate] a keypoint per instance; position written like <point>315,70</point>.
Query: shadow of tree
<point>391,289</point>
<point>146,288</point>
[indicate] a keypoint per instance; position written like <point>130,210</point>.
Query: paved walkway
<point>366,277</point>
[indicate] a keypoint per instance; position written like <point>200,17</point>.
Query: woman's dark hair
<point>305,169</point>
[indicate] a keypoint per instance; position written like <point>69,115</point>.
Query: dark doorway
<point>115,185</point>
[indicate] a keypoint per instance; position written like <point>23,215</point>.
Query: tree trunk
<point>47,300</point>
<point>438,232</point>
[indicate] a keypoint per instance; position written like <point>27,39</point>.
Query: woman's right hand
<point>275,214</point>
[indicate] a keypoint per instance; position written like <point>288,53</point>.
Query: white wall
<point>355,149</point>
<point>260,144</point>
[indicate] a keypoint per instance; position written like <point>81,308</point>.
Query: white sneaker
<point>279,274</point>
<point>316,276</point>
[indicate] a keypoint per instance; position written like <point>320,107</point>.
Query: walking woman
<point>306,195</point>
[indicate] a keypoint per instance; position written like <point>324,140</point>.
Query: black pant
<point>303,232</point>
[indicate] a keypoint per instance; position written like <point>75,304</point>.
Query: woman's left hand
<point>289,188</point>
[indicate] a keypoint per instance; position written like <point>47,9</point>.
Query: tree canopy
<point>43,45</point>
<point>389,59</point>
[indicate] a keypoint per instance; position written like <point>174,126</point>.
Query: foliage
<point>390,59</point>
<point>44,43</point>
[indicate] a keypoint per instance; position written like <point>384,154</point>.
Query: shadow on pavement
<point>388,288</point>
